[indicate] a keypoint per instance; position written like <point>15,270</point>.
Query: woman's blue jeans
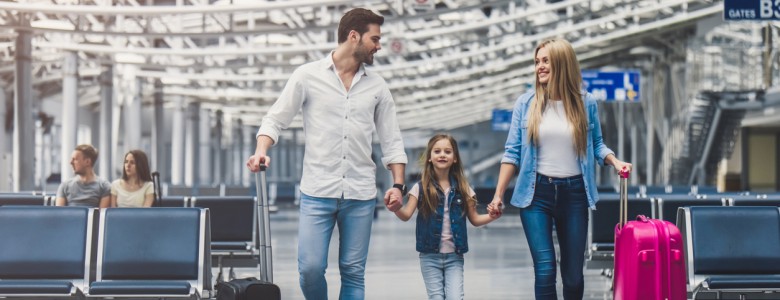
<point>315,226</point>
<point>562,203</point>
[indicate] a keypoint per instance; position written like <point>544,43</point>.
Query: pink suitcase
<point>649,259</point>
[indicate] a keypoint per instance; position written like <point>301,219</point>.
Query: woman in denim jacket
<point>445,201</point>
<point>553,145</point>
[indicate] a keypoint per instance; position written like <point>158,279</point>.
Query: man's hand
<point>254,161</point>
<point>393,199</point>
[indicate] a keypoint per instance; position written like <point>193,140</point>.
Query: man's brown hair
<point>89,152</point>
<point>357,20</point>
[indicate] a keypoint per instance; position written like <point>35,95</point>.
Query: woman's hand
<point>496,208</point>
<point>619,165</point>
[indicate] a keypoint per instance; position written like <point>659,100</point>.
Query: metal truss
<point>447,67</point>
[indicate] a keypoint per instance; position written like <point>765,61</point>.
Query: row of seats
<point>140,252</point>
<point>731,249</point>
<point>234,227</point>
<point>603,219</point>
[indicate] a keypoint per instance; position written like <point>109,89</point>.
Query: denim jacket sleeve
<point>599,149</point>
<point>514,140</point>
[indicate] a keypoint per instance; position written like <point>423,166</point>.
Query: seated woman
<point>135,188</point>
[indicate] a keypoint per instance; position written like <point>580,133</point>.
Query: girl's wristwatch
<point>401,187</point>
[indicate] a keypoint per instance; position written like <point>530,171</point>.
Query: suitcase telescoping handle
<point>264,227</point>
<point>157,189</point>
<point>623,175</point>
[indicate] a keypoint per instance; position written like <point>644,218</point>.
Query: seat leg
<point>220,278</point>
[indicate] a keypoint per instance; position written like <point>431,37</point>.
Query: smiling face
<point>442,155</point>
<point>542,65</point>
<point>368,44</point>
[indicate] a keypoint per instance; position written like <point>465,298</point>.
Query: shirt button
<point>345,137</point>
<point>344,157</point>
<point>346,117</point>
<point>344,176</point>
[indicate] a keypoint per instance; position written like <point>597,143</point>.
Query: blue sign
<point>612,86</point>
<point>756,10</point>
<point>502,119</point>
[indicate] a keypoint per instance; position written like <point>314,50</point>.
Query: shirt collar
<point>327,63</point>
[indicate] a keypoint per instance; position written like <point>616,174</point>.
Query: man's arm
<point>105,202</point>
<point>393,197</point>
<point>264,143</point>
<point>279,116</point>
<point>61,200</point>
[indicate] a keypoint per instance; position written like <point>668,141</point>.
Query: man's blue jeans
<point>443,275</point>
<point>562,202</point>
<point>317,219</point>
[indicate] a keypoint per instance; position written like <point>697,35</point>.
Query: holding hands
<point>393,199</point>
<point>496,208</point>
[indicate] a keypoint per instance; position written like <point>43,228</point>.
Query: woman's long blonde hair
<point>565,83</point>
<point>429,199</point>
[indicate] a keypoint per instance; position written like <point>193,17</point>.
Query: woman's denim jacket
<point>429,229</point>
<point>519,152</point>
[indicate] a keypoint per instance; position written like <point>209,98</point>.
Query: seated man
<point>84,189</point>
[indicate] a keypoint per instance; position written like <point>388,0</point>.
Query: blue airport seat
<point>174,201</point>
<point>732,249</point>
<point>669,204</point>
<point>234,235</point>
<point>25,199</point>
<point>153,252</point>
<point>44,252</point>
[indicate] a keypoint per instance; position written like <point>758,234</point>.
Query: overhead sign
<point>758,10</point>
<point>502,119</point>
<point>423,4</point>
<point>612,86</point>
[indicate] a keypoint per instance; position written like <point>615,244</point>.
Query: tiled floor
<point>498,265</point>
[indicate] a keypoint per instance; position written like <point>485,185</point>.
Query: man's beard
<point>363,55</point>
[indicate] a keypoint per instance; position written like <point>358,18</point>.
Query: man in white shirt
<point>341,103</point>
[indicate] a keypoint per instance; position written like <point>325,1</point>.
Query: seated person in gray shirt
<point>84,189</point>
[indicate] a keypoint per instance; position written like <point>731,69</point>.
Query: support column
<point>158,129</point>
<point>247,149</point>
<point>70,107</point>
<point>133,105</point>
<point>192,144</point>
<point>177,142</point>
<point>219,154</point>
<point>205,156</point>
<point>238,145</point>
<point>106,104</point>
<point>4,166</point>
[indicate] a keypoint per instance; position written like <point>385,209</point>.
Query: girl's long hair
<point>565,83</point>
<point>429,199</point>
<point>141,166</point>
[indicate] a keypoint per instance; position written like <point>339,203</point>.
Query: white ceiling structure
<point>447,67</point>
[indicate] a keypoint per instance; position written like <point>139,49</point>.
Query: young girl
<point>135,188</point>
<point>445,200</point>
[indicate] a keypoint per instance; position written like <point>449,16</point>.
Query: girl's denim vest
<point>429,229</point>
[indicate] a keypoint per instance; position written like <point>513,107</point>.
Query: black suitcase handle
<point>157,189</point>
<point>264,227</point>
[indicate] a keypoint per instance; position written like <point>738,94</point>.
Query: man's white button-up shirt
<point>338,125</point>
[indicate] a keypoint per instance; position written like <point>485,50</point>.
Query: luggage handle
<point>623,174</point>
<point>157,189</point>
<point>264,227</point>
